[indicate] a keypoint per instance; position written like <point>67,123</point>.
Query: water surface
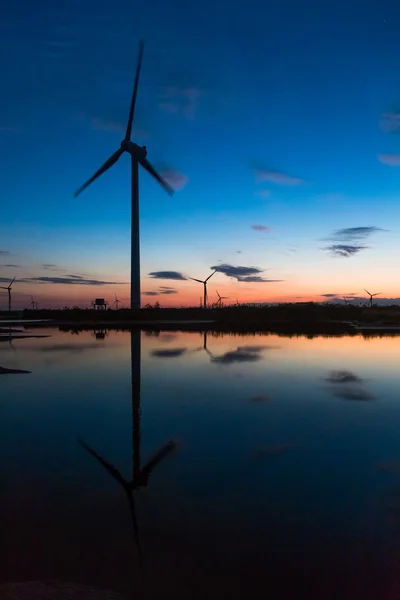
<point>284,480</point>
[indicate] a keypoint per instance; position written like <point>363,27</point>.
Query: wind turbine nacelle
<point>138,152</point>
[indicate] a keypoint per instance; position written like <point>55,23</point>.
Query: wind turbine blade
<point>10,284</point>
<point>134,94</point>
<point>158,457</point>
<point>377,294</point>
<point>104,463</point>
<point>211,275</point>
<point>132,509</point>
<point>367,292</point>
<point>150,169</point>
<point>107,165</point>
<point>192,278</point>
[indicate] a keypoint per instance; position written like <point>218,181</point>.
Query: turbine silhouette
<point>8,288</point>
<point>138,157</point>
<point>140,474</point>
<point>117,303</point>
<point>220,298</point>
<point>205,287</point>
<point>371,296</point>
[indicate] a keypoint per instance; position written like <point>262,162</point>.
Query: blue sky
<point>284,115</point>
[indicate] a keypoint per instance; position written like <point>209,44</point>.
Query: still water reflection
<point>201,465</point>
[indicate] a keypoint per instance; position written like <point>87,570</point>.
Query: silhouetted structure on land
<point>138,157</point>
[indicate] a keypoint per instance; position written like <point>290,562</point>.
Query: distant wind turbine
<point>8,288</point>
<point>117,303</point>
<point>371,296</point>
<point>34,305</point>
<point>205,287</point>
<point>138,156</point>
<point>220,298</point>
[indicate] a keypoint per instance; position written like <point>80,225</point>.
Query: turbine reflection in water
<point>140,474</point>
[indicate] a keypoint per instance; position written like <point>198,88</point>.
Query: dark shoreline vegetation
<point>297,318</point>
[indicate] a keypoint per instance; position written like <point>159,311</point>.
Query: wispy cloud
<point>183,101</point>
<point>343,377</point>
<point>350,234</point>
<point>150,293</point>
<point>5,279</point>
<point>276,177</point>
<point>328,295</point>
<point>72,280</point>
<point>167,275</point>
<point>393,160</point>
<point>166,287</point>
<point>263,193</point>
<point>260,227</point>
<point>345,250</point>
<point>12,266</point>
<point>243,274</point>
<point>167,292</point>
<point>168,353</point>
<point>390,121</point>
<point>177,180</point>
<point>99,124</point>
<point>49,266</point>
<point>4,253</point>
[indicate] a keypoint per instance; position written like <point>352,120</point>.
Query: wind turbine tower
<point>205,287</point>
<point>138,156</point>
<point>8,288</point>
<point>371,296</point>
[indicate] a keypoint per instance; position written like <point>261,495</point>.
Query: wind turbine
<point>220,298</point>
<point>8,288</point>
<point>371,296</point>
<point>33,304</point>
<point>205,287</point>
<point>117,303</point>
<point>138,157</point>
<point>140,474</point>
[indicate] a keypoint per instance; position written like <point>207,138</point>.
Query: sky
<point>277,123</point>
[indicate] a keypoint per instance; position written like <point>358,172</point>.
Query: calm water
<point>285,479</point>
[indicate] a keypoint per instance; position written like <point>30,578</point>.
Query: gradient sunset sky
<point>278,123</point>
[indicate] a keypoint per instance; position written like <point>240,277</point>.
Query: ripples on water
<point>233,466</point>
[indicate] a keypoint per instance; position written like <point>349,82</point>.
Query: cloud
<point>99,124</point>
<point>5,280</point>
<point>168,353</point>
<point>344,250</point>
<point>49,266</point>
<point>177,180</point>
<point>12,266</point>
<point>166,287</point>
<point>350,234</point>
<point>260,227</point>
<point>359,394</point>
<point>277,177</point>
<point>4,253</point>
<point>183,101</point>
<point>325,295</point>
<point>242,354</point>
<point>72,348</point>
<point>150,293</point>
<point>343,377</point>
<point>167,275</point>
<point>238,252</point>
<point>390,121</point>
<point>74,279</point>
<point>243,274</point>
<point>263,193</point>
<point>167,292</point>
<point>393,160</point>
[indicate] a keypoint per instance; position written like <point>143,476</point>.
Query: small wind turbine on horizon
<point>117,302</point>
<point>34,305</point>
<point>8,288</point>
<point>371,296</point>
<point>220,298</point>
<point>138,157</point>
<point>205,287</point>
